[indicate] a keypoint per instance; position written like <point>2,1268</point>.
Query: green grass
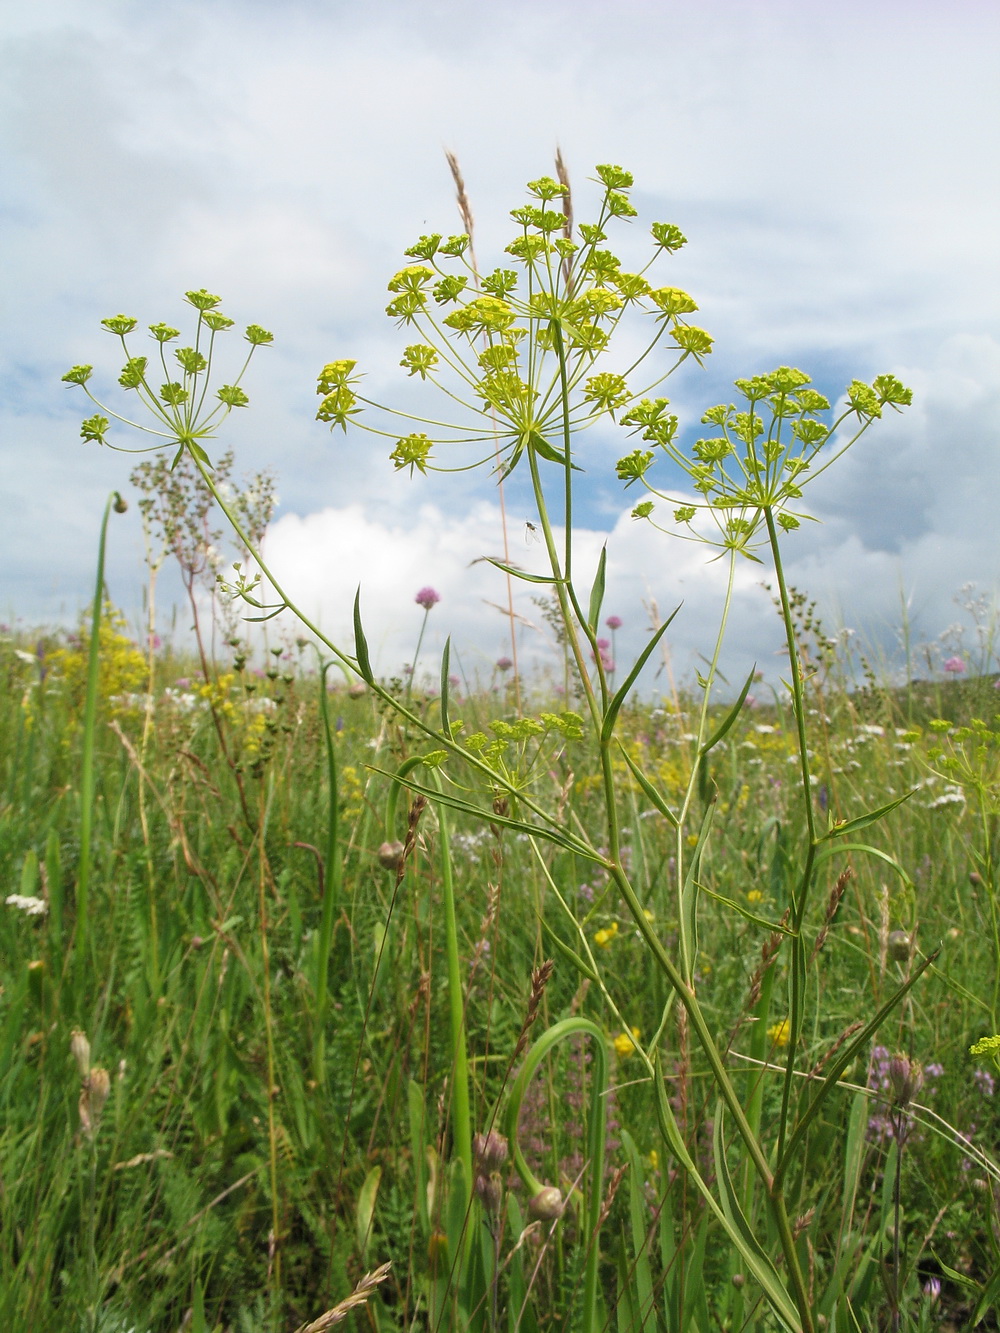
<point>238,1180</point>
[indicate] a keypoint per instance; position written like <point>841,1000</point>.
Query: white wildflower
<point>30,906</point>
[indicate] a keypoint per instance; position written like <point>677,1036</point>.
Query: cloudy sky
<point>834,168</point>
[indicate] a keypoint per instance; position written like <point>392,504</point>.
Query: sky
<point>833,167</point>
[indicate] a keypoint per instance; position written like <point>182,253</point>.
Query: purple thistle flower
<point>427,597</point>
<point>613,623</point>
<point>954,665</point>
<point>504,664</point>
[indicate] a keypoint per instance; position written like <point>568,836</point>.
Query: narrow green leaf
<point>562,948</point>
<point>597,591</point>
<point>642,1271</point>
<point>652,795</point>
<point>732,715</point>
<point>556,835</point>
<point>863,821</point>
<point>417,1117</point>
<point>837,848</point>
<point>366,1209</point>
<point>445,686</point>
<point>757,1260</point>
<point>361,643</point>
<point>521,573</point>
<point>846,1054</point>
<point>744,912</point>
<point>989,1299</point>
<point>614,707</point>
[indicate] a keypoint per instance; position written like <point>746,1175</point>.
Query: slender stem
<point>87,781</point>
<point>462,1126</point>
<point>332,883</point>
<point>798,962</point>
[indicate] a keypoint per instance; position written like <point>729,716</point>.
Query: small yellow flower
<point>778,1032</point>
<point>603,938</point>
<point>754,896</point>
<point>654,1159</point>
<point>692,840</point>
<point>648,914</point>
<point>625,1043</point>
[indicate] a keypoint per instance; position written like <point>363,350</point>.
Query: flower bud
<point>80,1049</point>
<point>390,855</point>
<point>547,1204</point>
<point>906,1078</point>
<point>357,690</point>
<point>93,1096</point>
<point>490,1191</point>
<point>898,946</point>
<point>490,1151</point>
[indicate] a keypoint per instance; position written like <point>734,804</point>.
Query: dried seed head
<point>80,1049</point>
<point>547,1204</point>
<point>490,1151</point>
<point>390,855</point>
<point>898,946</point>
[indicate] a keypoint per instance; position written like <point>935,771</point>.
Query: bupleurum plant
<point>529,355</point>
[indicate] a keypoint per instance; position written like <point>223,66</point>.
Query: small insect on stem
<point>531,533</point>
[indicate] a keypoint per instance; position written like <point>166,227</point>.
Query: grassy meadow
<point>523,1005</point>
<point>268,994</point>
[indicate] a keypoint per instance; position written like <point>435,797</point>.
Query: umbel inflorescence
<point>527,352</point>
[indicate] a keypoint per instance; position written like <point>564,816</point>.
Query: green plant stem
<point>333,872</point>
<point>87,784</point>
<point>798,948</point>
<point>462,1118</point>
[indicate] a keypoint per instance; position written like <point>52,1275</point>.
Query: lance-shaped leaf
<point>844,1057</point>
<point>597,592</point>
<point>520,573</point>
<point>445,686</point>
<point>863,821</point>
<point>555,834</point>
<point>650,792</point>
<point>614,707</point>
<point>732,715</point>
<point>361,643</point>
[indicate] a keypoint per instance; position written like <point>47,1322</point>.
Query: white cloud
<point>828,165</point>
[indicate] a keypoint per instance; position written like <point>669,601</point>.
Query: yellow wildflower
<point>778,1032</point>
<point>625,1043</point>
<point>754,896</point>
<point>603,938</point>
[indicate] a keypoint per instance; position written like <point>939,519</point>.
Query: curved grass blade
<point>832,849</point>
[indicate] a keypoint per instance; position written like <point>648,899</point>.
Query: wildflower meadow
<point>557,1001</point>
